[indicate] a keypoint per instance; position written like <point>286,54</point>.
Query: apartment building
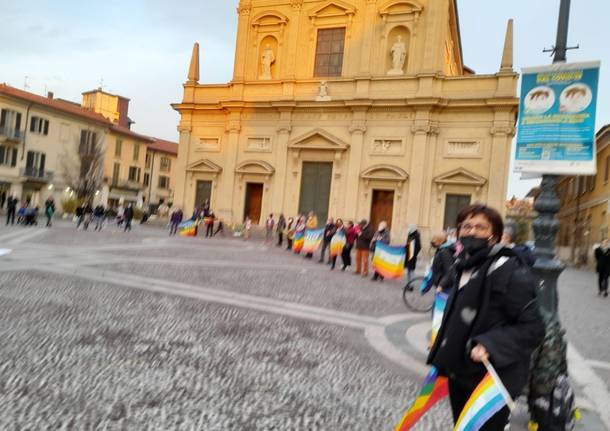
<point>40,139</point>
<point>160,172</point>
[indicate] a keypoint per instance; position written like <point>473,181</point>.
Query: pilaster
<point>280,180</point>
<point>184,149</point>
<point>357,130</point>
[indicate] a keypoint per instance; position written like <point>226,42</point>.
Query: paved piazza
<point>139,331</point>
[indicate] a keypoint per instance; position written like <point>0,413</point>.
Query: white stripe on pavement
<point>27,235</point>
<point>593,386</point>
<point>252,302</point>
<point>598,364</point>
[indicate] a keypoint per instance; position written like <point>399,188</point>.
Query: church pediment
<point>318,139</point>
<point>461,177</point>
<point>269,18</point>
<point>384,173</point>
<point>205,166</point>
<point>331,9</point>
<point>400,7</point>
<point>255,167</point>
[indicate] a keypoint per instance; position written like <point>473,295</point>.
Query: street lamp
<point>550,362</point>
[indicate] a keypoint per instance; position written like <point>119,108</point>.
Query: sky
<point>140,49</point>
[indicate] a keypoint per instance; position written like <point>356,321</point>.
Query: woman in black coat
<point>491,313</point>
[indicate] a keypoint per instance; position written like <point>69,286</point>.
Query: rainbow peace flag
<point>187,228</point>
<point>389,261</point>
<point>440,302</point>
<point>435,389</point>
<point>337,243</point>
<point>489,397</point>
<point>298,241</point>
<point>313,238</point>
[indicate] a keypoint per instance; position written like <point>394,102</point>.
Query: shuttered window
<point>329,52</point>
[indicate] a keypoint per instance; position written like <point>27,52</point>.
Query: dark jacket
<point>49,207</point>
<point>363,242</point>
<point>99,211</point>
<point>329,231</point>
<point>176,217</point>
<point>442,275</point>
<point>508,324</point>
<point>11,204</point>
<point>281,224</point>
<point>602,259</point>
<point>525,253</point>
<point>128,214</point>
<point>88,209</point>
<point>413,237</point>
<point>382,236</point>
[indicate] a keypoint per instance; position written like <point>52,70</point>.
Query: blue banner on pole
<point>557,119</point>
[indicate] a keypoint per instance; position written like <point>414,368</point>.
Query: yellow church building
<point>350,108</point>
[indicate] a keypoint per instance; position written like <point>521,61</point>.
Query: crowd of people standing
<point>361,236</point>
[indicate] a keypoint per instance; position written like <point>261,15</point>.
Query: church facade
<point>358,109</point>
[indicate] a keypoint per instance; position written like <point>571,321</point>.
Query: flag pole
<point>490,369</point>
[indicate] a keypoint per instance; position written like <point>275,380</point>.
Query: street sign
<point>556,129</point>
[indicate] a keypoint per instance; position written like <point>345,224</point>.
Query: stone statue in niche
<point>323,93</point>
<point>399,55</point>
<point>267,59</point>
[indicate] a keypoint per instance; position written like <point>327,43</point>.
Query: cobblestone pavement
<point>138,331</point>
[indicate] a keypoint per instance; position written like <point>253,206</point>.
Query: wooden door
<point>254,202</point>
<point>315,189</point>
<point>453,205</point>
<point>381,207</point>
<point>203,193</point>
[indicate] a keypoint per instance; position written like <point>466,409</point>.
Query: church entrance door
<point>382,207</point>
<point>315,189</point>
<point>254,202</point>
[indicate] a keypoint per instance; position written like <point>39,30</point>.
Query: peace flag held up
<point>187,228</point>
<point>435,388</point>
<point>489,397</point>
<point>313,238</point>
<point>337,243</point>
<point>298,241</point>
<point>389,261</point>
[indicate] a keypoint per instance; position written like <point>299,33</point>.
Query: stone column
<point>502,134</point>
<point>421,128</point>
<point>281,161</point>
<point>368,34</point>
<point>227,183</point>
<point>182,185</point>
<point>243,36</point>
<point>357,129</point>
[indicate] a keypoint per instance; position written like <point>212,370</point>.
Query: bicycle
<point>413,298</point>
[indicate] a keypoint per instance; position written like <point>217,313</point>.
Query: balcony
<point>8,134</point>
<point>36,174</point>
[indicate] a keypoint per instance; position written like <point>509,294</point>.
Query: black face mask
<point>472,244</point>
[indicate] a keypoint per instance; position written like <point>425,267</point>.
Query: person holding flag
<point>337,243</point>
<point>491,317</point>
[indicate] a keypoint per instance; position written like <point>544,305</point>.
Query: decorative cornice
<point>296,4</point>
<point>426,128</point>
<point>357,126</point>
<point>244,10</point>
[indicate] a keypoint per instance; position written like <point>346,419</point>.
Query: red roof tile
<point>58,104</point>
<point>127,132</point>
<point>164,146</point>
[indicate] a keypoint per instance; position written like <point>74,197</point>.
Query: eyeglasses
<point>477,227</point>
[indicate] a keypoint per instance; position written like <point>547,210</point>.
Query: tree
<point>84,174</point>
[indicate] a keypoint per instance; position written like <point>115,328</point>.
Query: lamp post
<point>547,204</point>
<point>550,362</point>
